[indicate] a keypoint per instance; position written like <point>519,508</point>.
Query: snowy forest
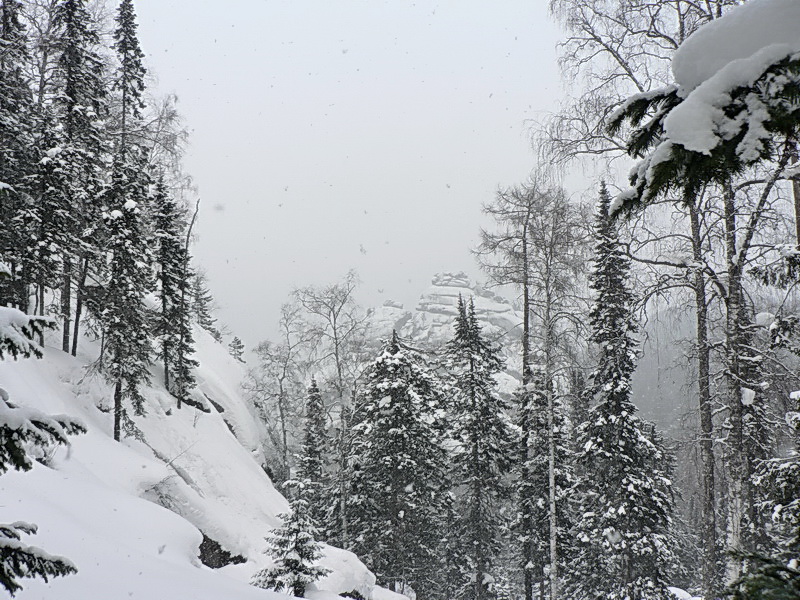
<point>490,444</point>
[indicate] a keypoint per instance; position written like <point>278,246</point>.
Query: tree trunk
<point>165,343</point>
<point>40,303</point>
<point>79,295</point>
<point>477,493</point>
<point>709,526</point>
<point>284,432</point>
<point>737,480</point>
<point>166,365</point>
<point>343,441</point>
<point>551,446</point>
<point>526,378</point>
<point>66,304</point>
<point>796,195</point>
<point>343,489</point>
<point>117,409</point>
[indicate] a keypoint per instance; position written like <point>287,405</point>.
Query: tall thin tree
<point>124,318</point>
<point>483,434</point>
<point>625,501</point>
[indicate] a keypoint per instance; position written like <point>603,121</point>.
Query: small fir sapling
<point>293,549</point>
<point>236,349</point>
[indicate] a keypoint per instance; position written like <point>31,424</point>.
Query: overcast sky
<point>329,136</point>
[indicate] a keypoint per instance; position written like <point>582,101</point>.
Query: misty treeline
<point>411,456</point>
<point>96,217</point>
<point>583,498</point>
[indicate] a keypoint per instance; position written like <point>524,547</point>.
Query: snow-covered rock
<point>682,594</point>
<point>430,324</point>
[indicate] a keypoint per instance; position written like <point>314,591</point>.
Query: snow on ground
<point>102,504</point>
<point>682,595</point>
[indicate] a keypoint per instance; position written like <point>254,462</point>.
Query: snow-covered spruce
<point>482,460</point>
<point>399,494</point>
<point>312,461</point>
<point>201,305</point>
<point>236,348</point>
<point>123,317</point>
<point>17,157</point>
<point>173,322</point>
<point>294,550</point>
<point>82,147</point>
<point>623,498</point>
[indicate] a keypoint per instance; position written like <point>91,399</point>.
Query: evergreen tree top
<point>611,317</point>
<point>79,63</point>
<point>131,72</point>
<point>12,34</point>
<point>469,345</point>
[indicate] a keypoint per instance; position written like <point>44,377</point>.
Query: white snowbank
<point>764,319</point>
<point>682,595</point>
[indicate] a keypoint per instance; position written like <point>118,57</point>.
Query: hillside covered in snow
<point>139,518</point>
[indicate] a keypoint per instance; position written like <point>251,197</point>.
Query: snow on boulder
<point>682,594</point>
<point>347,573</point>
<point>764,319</point>
<point>748,396</point>
<point>380,593</point>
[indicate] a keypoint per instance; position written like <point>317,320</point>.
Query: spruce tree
<point>399,489</point>
<point>173,321</point>
<point>312,460</point>
<point>236,349</point>
<point>624,496</point>
<point>24,431</point>
<point>483,435</point>
<point>294,551</point>
<point>202,304</point>
<point>774,575</point>
<point>17,122</point>
<point>124,317</point>
<point>81,107</point>
<point>46,221</point>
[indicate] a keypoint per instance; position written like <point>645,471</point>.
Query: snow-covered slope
<point>130,514</point>
<point>430,324</point>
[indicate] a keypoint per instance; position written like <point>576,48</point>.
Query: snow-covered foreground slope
<point>130,515</point>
